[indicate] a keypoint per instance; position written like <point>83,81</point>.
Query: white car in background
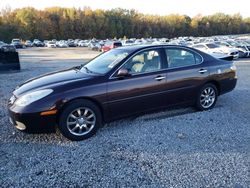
<point>128,42</point>
<point>221,52</point>
<point>62,44</point>
<point>243,50</point>
<point>83,43</point>
<point>28,43</point>
<point>51,44</point>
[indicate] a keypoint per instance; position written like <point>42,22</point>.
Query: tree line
<point>65,23</point>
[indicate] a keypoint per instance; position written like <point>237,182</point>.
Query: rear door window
<point>181,58</point>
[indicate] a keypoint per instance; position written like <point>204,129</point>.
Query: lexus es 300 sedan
<point>121,82</point>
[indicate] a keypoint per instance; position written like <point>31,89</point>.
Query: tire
<point>80,120</point>
<point>207,97</point>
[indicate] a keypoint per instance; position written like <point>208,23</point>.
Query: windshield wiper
<point>90,71</point>
<point>87,70</point>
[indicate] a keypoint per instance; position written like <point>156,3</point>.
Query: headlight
<point>32,97</point>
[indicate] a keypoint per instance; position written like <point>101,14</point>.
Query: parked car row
<point>223,47</point>
<point>219,47</point>
<point>6,47</point>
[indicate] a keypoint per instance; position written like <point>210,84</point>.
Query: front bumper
<point>32,122</point>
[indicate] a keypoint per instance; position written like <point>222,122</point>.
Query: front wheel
<point>207,97</point>
<point>80,120</point>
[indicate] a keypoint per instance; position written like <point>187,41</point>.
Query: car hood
<point>51,80</point>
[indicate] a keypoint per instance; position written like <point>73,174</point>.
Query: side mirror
<point>123,73</point>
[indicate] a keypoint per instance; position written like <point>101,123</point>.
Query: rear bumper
<point>228,85</point>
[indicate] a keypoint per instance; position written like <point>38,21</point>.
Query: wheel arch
<point>217,85</point>
<point>60,110</point>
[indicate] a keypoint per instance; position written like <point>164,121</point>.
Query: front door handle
<point>159,78</point>
<point>202,71</point>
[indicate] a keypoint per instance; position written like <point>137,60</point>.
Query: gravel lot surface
<point>173,148</point>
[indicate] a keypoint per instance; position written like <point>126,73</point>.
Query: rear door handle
<point>202,71</point>
<point>159,78</point>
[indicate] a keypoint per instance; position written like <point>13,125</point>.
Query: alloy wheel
<point>81,121</point>
<point>207,97</point>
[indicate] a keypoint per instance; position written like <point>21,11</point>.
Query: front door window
<point>148,61</point>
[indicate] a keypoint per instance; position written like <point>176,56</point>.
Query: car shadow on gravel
<point>57,138</point>
<point>161,114</point>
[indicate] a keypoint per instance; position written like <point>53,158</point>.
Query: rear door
<point>185,75</point>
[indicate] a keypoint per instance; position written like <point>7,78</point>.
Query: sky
<point>160,7</point>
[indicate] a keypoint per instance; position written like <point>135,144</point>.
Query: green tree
<point>64,23</point>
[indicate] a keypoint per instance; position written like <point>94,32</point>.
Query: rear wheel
<point>207,97</point>
<point>80,120</point>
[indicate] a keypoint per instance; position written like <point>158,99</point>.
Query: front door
<point>142,90</point>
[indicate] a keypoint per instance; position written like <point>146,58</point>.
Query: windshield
<point>106,61</point>
<point>211,45</point>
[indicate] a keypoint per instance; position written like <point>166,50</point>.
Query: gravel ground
<point>173,148</point>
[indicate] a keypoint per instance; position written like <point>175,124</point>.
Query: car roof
<point>140,47</point>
